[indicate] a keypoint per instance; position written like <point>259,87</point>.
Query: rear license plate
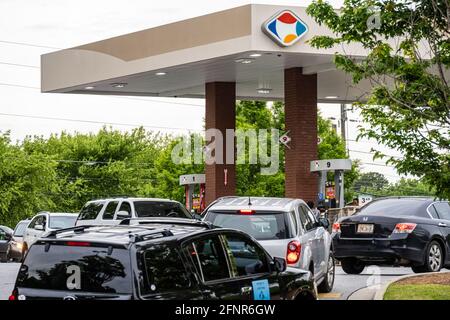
<point>365,228</point>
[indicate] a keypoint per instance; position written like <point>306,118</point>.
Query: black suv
<point>156,260</point>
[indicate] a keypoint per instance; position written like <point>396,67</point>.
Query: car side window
<point>125,206</point>
<point>433,212</point>
<point>165,270</point>
<point>39,222</point>
<point>245,257</point>
<point>110,210</point>
<point>443,210</point>
<point>294,222</point>
<point>208,257</point>
<point>2,235</point>
<point>90,211</point>
<point>33,222</point>
<point>308,224</point>
<point>44,222</point>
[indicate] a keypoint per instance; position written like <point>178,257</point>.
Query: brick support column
<point>300,94</point>
<point>221,115</point>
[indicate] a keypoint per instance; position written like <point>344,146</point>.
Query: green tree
<point>403,187</point>
<point>26,183</point>
<point>373,180</point>
<point>257,115</point>
<point>408,62</point>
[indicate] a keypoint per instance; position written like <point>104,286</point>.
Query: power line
<point>94,122</point>
<point>19,65</point>
<point>114,97</point>
<point>28,44</point>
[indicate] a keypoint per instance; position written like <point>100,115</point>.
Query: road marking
<point>331,295</point>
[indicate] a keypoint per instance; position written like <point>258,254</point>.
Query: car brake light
<point>336,227</point>
<point>404,227</point>
<point>294,249</point>
<point>246,211</point>
<point>78,244</point>
<point>13,295</point>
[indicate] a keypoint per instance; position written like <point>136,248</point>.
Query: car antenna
<point>249,201</point>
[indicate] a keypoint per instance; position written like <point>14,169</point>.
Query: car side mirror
<point>197,216</point>
<point>121,215</point>
<point>39,227</point>
<point>279,264</point>
<point>8,236</point>
<point>324,222</point>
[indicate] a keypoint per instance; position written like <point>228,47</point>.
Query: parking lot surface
<point>349,286</point>
<point>8,273</point>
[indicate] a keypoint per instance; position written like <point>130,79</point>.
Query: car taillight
<point>246,211</point>
<point>294,249</point>
<point>78,244</point>
<point>404,227</point>
<point>13,295</point>
<point>336,227</point>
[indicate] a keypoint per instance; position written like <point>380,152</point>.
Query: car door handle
<point>442,224</point>
<point>246,290</point>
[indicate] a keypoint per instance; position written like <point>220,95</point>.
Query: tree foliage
<point>408,63</point>
<point>64,171</point>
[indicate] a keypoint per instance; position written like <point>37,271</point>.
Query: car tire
<point>434,258</point>
<point>352,266</point>
<point>327,284</point>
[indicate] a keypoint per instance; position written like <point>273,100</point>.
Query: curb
<point>379,295</point>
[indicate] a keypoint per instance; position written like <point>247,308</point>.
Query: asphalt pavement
<point>8,273</point>
<point>345,286</point>
<point>355,287</point>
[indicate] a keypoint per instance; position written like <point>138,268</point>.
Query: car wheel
<point>328,282</point>
<point>433,259</point>
<point>352,266</point>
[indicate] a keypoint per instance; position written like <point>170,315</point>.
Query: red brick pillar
<point>300,96</point>
<point>221,115</point>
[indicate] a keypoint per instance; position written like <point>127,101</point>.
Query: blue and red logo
<point>286,28</point>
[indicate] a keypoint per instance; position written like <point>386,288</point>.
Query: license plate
<point>365,228</point>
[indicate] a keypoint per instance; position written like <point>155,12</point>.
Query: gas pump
<point>194,201</point>
<point>325,187</point>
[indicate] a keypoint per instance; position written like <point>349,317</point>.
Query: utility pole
<point>343,125</point>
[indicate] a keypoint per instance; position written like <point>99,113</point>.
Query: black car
<point>5,238</point>
<point>405,231</point>
<point>157,260</point>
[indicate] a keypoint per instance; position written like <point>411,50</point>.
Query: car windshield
<point>20,229</point>
<point>62,222</point>
<point>146,209</point>
<point>262,225</point>
<point>397,207</point>
<point>100,270</point>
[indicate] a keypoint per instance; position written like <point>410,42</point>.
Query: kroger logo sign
<point>285,28</point>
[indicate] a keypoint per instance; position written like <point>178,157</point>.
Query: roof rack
<point>127,222</point>
<point>52,234</point>
<point>135,237</point>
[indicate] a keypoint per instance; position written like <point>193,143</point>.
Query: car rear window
<point>62,222</point>
<point>91,210</point>
<point>261,225</point>
<point>99,271</point>
<point>145,209</point>
<point>20,229</point>
<point>396,207</point>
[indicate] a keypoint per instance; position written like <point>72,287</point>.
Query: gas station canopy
<point>176,60</point>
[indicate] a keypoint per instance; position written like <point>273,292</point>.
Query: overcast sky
<point>53,24</point>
